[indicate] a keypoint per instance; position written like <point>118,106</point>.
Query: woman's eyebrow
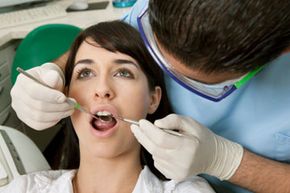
<point>117,61</point>
<point>84,61</point>
<point>124,61</point>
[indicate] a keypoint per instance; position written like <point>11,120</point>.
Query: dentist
<point>228,76</point>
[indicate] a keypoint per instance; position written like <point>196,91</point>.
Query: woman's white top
<point>60,181</point>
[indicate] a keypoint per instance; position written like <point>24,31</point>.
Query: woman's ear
<point>155,100</point>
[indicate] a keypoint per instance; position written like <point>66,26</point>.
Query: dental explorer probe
<point>80,108</point>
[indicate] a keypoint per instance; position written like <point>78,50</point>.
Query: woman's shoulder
<point>152,184</point>
<point>41,182</point>
<point>194,184</point>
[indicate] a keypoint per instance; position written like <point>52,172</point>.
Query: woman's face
<point>107,83</point>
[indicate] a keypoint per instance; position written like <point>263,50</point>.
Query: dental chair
<point>18,155</point>
<point>44,44</point>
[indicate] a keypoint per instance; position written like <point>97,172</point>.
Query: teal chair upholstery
<point>43,44</point>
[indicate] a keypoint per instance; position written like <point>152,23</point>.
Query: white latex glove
<point>38,106</point>
<point>181,157</point>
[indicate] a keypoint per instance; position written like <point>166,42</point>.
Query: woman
<point>112,75</point>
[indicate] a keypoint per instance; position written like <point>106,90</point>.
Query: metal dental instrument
<point>80,108</point>
<point>171,132</point>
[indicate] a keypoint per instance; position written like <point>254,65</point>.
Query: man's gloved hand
<point>181,157</point>
<point>36,105</point>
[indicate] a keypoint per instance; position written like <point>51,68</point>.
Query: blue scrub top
<point>257,115</point>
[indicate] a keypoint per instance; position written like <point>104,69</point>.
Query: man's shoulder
<point>132,15</point>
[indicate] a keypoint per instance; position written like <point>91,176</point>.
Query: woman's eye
<point>85,73</point>
<point>124,73</point>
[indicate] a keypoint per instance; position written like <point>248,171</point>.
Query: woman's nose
<point>104,89</point>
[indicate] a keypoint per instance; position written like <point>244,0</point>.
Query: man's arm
<point>61,61</point>
<point>204,152</point>
<point>262,175</point>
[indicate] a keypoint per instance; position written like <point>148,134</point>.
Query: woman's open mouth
<point>104,122</point>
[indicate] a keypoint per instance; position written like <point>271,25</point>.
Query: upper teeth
<point>104,113</point>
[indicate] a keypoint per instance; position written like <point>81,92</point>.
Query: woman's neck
<point>118,175</point>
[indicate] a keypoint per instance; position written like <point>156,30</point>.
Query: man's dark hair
<point>222,35</point>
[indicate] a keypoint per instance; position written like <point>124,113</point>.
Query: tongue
<point>103,125</point>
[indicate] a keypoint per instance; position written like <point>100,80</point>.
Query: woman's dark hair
<point>222,36</point>
<point>116,36</point>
